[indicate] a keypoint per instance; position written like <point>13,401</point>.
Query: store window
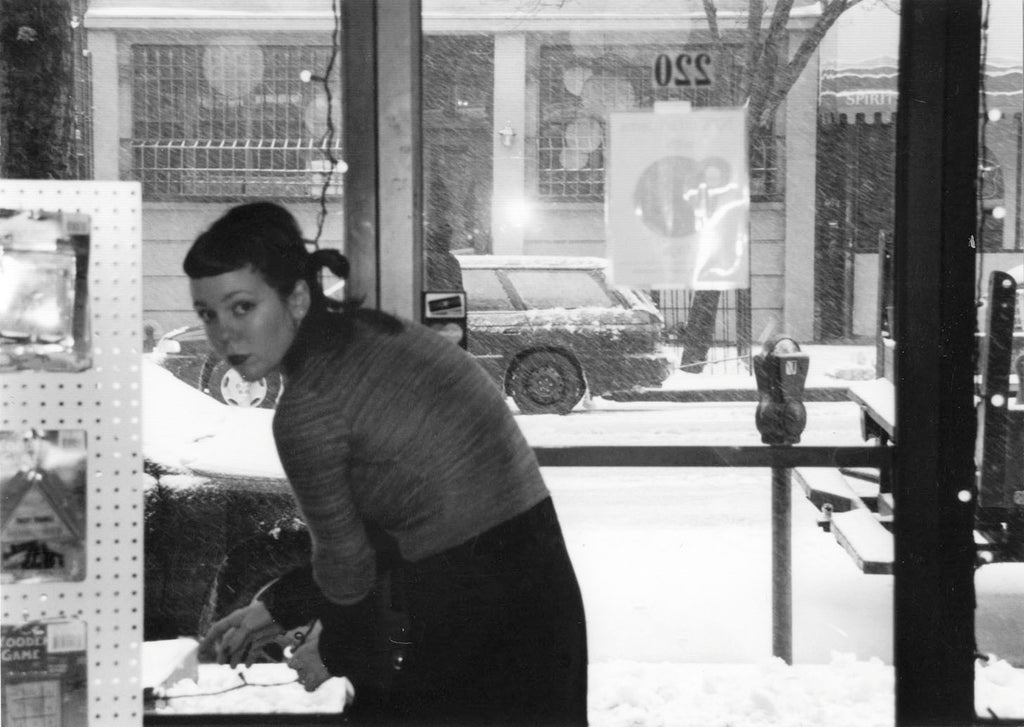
<point>515,165</point>
<point>230,119</point>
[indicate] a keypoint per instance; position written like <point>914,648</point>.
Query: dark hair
<point>266,237</point>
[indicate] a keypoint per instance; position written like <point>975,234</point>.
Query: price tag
<point>684,70</point>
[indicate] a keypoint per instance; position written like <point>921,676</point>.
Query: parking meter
<point>781,372</point>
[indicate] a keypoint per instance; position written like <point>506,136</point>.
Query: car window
<point>561,289</point>
<point>484,291</point>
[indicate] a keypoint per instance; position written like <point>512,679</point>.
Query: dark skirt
<point>498,632</point>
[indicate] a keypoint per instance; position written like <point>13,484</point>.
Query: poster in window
<point>44,291</point>
<point>44,674</point>
<point>42,505</point>
<point>678,199</point>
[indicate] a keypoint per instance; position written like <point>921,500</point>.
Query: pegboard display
<point>97,409</point>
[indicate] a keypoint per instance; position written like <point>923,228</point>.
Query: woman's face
<point>247,321</point>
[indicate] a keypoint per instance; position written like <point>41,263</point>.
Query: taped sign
<point>678,199</point>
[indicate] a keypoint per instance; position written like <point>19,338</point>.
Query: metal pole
<point>782,564</point>
<point>933,264</point>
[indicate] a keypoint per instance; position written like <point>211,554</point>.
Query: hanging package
<point>44,291</point>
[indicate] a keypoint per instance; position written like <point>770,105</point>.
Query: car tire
<point>546,383</point>
<point>226,385</point>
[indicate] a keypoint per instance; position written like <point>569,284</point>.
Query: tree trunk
<point>36,88</point>
<point>699,333</point>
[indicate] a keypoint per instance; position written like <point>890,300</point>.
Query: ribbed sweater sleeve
<point>313,445</point>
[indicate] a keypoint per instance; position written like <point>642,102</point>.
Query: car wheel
<point>226,385</point>
<point>546,383</point>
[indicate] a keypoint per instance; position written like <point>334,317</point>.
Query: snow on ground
<point>846,692</point>
<point>676,597</point>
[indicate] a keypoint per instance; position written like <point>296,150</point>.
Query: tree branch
<point>711,13</point>
<point>755,15</point>
<point>763,73</point>
<point>785,77</point>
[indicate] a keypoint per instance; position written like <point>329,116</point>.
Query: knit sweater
<point>399,431</point>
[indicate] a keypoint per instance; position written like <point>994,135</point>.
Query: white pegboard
<point>104,401</point>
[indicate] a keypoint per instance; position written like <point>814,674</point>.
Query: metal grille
<point>730,349</point>
<point>577,93</point>
<point>231,121</point>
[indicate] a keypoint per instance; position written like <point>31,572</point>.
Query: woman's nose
<point>220,334</point>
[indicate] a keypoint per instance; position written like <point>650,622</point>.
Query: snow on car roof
<point>570,262</point>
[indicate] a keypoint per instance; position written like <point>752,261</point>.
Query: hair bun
<point>331,259</point>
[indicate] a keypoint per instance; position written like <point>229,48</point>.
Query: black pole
<point>934,259</point>
<point>782,564</point>
<point>359,142</point>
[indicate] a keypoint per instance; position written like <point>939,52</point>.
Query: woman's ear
<point>299,300</point>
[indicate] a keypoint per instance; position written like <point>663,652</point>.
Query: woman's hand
<point>305,660</point>
<point>237,637</point>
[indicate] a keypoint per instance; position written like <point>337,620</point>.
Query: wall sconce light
<point>508,135</point>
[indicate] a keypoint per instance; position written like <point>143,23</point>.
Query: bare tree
<point>765,76</point>
<point>768,73</point>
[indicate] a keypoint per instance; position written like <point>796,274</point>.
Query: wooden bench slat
<point>826,486</point>
<point>867,541</point>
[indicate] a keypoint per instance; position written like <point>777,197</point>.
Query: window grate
<point>230,121</point>
<point>576,94</point>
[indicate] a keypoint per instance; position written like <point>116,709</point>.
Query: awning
<point>858,63</point>
<point>864,93</point>
<point>868,94</point>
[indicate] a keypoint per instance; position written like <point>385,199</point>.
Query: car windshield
<point>560,289</point>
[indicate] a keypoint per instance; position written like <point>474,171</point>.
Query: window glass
<point>518,101</point>
<point>1000,245</point>
<point>560,289</point>
<point>485,292</point>
<point>458,88</point>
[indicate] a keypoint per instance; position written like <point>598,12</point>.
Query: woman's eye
<point>205,316</point>
<point>242,308</point>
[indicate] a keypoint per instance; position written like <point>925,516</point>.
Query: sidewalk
<point>832,369</point>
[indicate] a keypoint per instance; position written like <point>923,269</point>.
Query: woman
<point>403,457</point>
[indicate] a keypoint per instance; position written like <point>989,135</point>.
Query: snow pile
<point>998,689</point>
<point>844,693</point>
<point>184,428</point>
